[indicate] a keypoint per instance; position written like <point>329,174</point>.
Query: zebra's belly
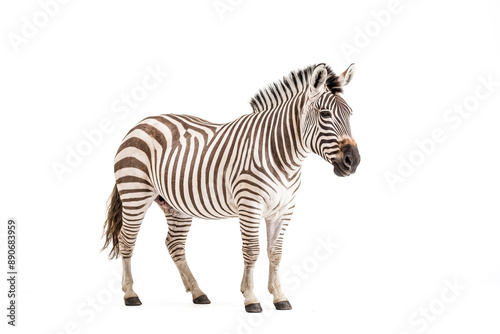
<point>212,199</point>
<point>205,208</point>
<point>199,211</point>
<point>195,197</point>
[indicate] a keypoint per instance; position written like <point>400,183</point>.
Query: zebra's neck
<point>283,135</point>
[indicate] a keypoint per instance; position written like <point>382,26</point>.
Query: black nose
<point>351,157</point>
<point>348,160</point>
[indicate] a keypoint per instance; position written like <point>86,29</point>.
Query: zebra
<point>249,168</point>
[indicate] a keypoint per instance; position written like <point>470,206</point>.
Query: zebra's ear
<point>318,77</point>
<point>346,77</point>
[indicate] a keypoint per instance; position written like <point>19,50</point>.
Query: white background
<point>397,247</point>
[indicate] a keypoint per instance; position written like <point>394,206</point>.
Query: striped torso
<point>211,170</point>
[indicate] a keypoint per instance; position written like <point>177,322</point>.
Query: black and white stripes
<point>249,168</point>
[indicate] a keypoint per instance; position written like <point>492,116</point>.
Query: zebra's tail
<point>113,224</point>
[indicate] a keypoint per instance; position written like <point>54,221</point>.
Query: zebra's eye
<point>325,113</point>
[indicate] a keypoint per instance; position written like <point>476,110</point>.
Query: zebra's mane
<point>280,91</point>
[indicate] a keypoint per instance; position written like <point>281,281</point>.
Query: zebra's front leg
<point>178,229</point>
<point>275,231</point>
<point>249,228</point>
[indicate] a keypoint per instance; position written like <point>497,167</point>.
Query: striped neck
<point>283,132</point>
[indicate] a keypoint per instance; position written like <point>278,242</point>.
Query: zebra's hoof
<point>283,305</point>
<point>133,301</point>
<point>253,308</point>
<point>203,299</point>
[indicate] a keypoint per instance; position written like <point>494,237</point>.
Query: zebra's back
<point>173,156</point>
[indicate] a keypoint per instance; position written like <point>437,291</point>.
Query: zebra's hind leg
<point>135,204</point>
<point>178,229</point>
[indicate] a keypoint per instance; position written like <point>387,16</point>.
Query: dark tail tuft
<point>113,224</point>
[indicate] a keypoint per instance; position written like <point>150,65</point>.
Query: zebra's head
<point>326,127</point>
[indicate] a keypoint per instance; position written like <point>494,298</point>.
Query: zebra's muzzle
<point>340,171</point>
<point>348,162</point>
